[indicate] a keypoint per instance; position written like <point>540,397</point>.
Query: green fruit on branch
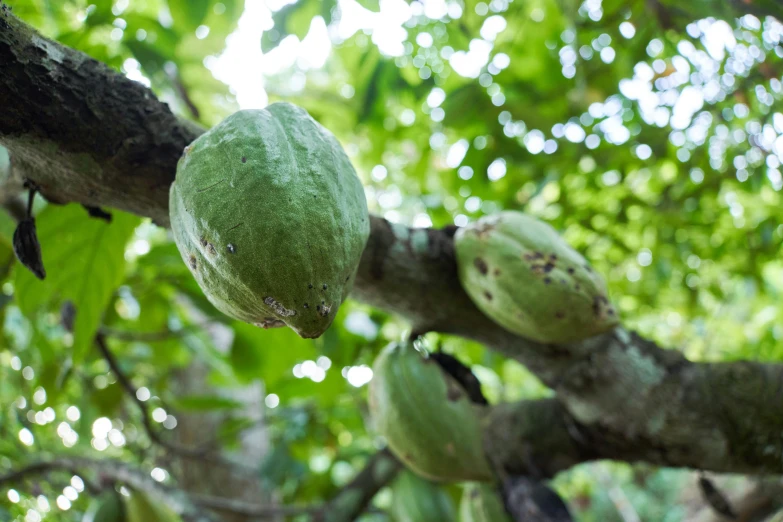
<point>482,503</point>
<point>108,507</point>
<point>427,418</point>
<point>415,499</point>
<point>271,219</point>
<point>525,277</point>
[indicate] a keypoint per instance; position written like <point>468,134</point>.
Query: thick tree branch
<point>89,135</point>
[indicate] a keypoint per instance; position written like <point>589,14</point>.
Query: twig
<point>117,471</point>
<point>146,418</point>
<point>162,335</point>
<point>176,79</point>
<point>250,510</point>
<point>352,500</point>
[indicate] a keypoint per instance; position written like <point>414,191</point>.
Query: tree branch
<point>618,396</point>
<point>353,499</point>
<point>117,471</point>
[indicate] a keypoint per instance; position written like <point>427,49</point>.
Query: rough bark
<point>86,134</point>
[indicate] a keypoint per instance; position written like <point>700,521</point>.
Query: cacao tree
<point>327,260</point>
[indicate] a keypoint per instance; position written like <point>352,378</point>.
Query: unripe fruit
<point>428,420</point>
<point>525,277</point>
<point>415,499</point>
<point>271,219</point>
<point>482,503</point>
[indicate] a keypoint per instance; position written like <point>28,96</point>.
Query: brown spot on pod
<point>547,280</point>
<point>549,267</point>
<point>497,272</point>
<point>571,270</point>
<point>324,286</point>
<point>560,314</point>
<point>192,262</point>
<point>211,249</point>
<point>488,296</point>
<point>244,159</point>
<point>481,265</point>
<point>310,287</point>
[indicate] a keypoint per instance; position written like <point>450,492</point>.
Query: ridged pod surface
<point>415,499</point>
<point>482,503</point>
<point>428,420</point>
<point>271,219</point>
<point>525,277</point>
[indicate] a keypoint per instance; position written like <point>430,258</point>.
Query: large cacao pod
<point>482,503</point>
<point>428,420</point>
<point>525,277</point>
<point>415,499</point>
<point>271,219</point>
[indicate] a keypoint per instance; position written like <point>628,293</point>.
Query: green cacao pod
<point>428,420</point>
<point>271,219</point>
<point>415,499</point>
<point>525,277</point>
<point>108,507</point>
<point>482,503</point>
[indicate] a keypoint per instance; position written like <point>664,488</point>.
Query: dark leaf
<point>27,248</point>
<point>528,500</point>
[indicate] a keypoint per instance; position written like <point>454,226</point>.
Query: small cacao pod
<point>481,502</point>
<point>415,499</point>
<point>427,418</point>
<point>271,218</point>
<point>525,277</point>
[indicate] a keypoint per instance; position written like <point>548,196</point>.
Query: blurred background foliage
<point>649,133</point>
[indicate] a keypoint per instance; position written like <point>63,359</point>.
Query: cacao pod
<point>271,219</point>
<point>416,499</point>
<point>525,277</point>
<point>427,418</point>
<point>482,503</point>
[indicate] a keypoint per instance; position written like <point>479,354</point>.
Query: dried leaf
<point>27,248</point>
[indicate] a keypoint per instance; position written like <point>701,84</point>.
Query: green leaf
<point>267,354</point>
<point>293,19</point>
<point>206,403</point>
<point>188,13</point>
<point>85,262</point>
<point>372,5</point>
